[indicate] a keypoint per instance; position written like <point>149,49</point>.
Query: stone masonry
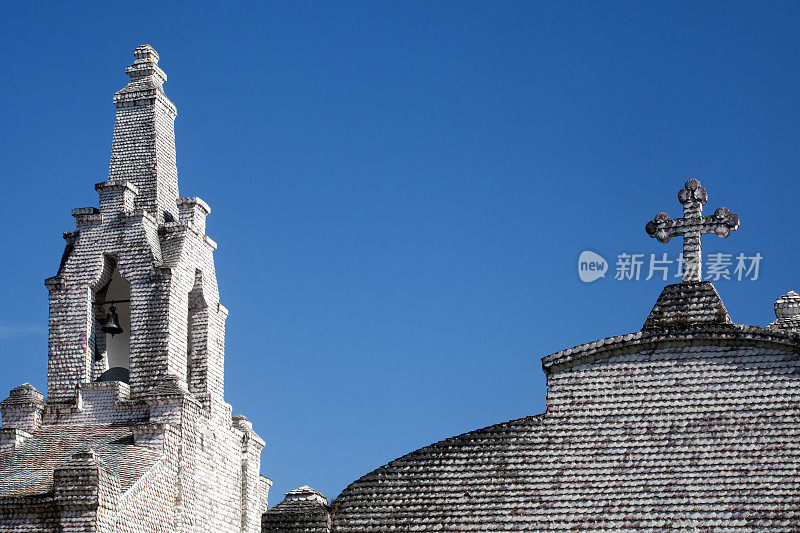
<point>133,436</point>
<point>690,424</point>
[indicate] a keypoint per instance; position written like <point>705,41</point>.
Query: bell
<point>112,322</point>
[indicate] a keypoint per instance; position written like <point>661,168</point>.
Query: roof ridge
<point>699,333</point>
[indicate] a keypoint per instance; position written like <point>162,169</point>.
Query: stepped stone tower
<point>135,434</point>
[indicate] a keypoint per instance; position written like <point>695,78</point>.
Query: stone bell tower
<point>135,434</point>
<point>144,252</point>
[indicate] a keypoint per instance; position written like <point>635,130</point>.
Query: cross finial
<point>692,226</point>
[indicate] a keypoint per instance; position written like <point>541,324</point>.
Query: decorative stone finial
<point>23,408</point>
<point>692,226</point>
<point>788,305</point>
<point>145,51</point>
<point>27,392</point>
<point>306,493</point>
<point>787,311</point>
<point>146,65</point>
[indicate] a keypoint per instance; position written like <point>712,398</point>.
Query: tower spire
<point>143,149</point>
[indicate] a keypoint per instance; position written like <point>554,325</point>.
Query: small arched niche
<point>112,351</point>
<point>197,337</point>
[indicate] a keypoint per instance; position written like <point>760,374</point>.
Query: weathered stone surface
<point>303,509</point>
<point>787,311</point>
<point>162,452</point>
<point>691,424</point>
<point>682,434</point>
<point>692,226</point>
<point>688,303</point>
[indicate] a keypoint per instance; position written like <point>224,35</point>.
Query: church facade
<point>691,423</point>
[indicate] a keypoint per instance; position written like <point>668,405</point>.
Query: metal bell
<point>112,322</point>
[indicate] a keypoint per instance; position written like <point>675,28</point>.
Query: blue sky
<point>401,191</point>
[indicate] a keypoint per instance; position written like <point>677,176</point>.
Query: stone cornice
<point>698,335</point>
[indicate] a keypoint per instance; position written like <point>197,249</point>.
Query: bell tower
<point>135,298</point>
<point>135,433</point>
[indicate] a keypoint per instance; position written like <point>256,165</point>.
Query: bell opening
<point>113,324</point>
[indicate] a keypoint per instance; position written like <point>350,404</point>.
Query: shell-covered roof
<point>693,422</point>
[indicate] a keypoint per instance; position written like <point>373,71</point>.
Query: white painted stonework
<point>154,449</point>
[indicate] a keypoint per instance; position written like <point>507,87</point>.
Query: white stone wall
<point>645,424</point>
<point>148,506</point>
<point>712,377</point>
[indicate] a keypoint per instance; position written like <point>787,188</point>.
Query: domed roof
<point>695,432</point>
<point>691,423</point>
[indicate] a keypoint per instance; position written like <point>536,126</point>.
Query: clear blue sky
<point>400,191</point>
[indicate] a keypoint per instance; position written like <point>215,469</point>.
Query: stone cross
<point>692,226</point>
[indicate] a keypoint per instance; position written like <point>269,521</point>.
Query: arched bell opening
<point>112,326</point>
